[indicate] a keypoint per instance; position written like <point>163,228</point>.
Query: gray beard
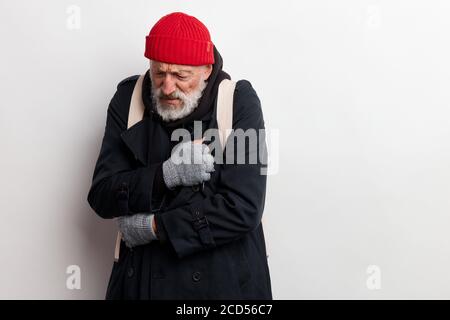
<point>189,103</point>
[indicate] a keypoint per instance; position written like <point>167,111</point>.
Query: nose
<point>168,85</point>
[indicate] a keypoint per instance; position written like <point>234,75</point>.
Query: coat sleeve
<point>236,207</point>
<point>119,186</point>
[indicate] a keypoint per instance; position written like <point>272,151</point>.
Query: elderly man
<point>190,229</point>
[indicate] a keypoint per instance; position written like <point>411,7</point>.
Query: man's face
<point>177,88</point>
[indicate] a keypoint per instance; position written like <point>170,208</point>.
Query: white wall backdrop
<point>358,89</point>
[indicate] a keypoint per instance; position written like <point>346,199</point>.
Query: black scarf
<point>206,104</point>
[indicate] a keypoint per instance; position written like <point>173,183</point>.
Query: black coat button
<point>130,272</point>
<point>196,276</point>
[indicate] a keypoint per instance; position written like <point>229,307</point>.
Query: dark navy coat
<point>212,244</point>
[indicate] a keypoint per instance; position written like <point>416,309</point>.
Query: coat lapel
<point>147,141</point>
<point>136,138</point>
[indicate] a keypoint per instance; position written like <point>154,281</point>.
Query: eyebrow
<point>188,71</point>
<point>176,72</point>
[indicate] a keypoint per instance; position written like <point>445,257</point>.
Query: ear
<point>208,71</point>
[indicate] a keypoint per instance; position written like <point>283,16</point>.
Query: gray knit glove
<point>136,229</point>
<point>190,163</point>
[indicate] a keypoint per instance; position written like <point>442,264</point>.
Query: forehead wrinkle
<point>171,68</point>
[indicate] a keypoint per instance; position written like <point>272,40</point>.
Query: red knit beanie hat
<point>180,39</point>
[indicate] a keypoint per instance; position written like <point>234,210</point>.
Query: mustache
<point>174,95</point>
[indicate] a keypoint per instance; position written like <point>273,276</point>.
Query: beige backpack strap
<point>224,113</point>
<point>135,114</point>
<point>137,106</point>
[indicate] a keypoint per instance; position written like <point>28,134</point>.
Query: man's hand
<point>136,229</point>
<point>190,163</point>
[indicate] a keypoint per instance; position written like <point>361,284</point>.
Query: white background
<point>358,89</point>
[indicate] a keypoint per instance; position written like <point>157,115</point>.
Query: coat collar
<point>136,139</point>
<point>147,141</point>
